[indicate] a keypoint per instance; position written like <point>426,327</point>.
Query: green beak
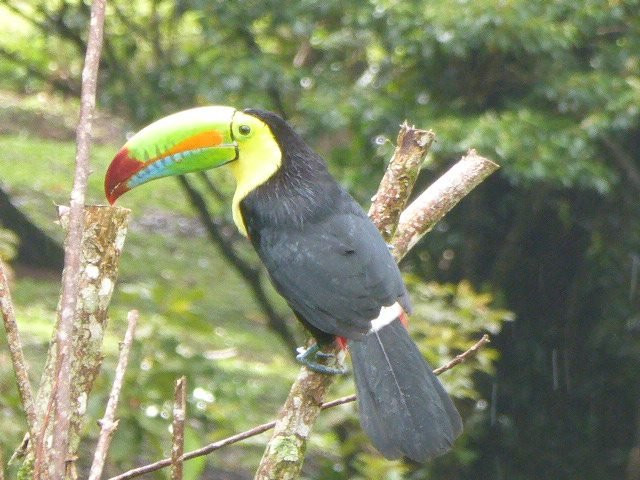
<point>189,141</point>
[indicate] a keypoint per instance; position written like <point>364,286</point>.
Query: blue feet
<point>309,358</point>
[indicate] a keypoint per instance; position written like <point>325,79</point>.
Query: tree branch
<point>179,417</point>
<point>62,416</point>
<point>212,447</point>
<point>108,424</point>
<point>434,203</point>
<point>20,366</point>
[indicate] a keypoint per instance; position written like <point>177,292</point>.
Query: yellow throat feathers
<point>259,157</point>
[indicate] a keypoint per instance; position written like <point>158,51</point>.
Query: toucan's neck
<point>297,189</point>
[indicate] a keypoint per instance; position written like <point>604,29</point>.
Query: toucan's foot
<point>390,247</point>
<point>324,355</point>
<point>309,356</point>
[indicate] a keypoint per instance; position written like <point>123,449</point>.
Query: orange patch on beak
<point>210,138</point>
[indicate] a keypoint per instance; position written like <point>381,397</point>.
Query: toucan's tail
<point>404,408</point>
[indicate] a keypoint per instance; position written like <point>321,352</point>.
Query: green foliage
<point>447,321</point>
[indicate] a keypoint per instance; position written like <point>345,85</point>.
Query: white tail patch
<point>386,316</point>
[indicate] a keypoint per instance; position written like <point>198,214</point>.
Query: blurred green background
<point>545,255</point>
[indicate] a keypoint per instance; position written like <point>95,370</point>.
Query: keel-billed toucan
<point>323,254</point>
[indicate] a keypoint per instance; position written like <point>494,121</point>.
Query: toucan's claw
<point>308,359</point>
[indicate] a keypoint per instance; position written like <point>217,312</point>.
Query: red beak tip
<point>122,168</point>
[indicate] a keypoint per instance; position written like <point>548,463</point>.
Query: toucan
<point>323,255</point>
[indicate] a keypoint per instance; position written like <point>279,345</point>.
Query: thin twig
<point>464,355</point>
<point>152,467</point>
<point>179,417</point>
<point>62,416</point>
<point>20,366</point>
<point>108,423</point>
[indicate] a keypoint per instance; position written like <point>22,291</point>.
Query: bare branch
<point>20,366</point>
<point>179,417</point>
<point>62,395</point>
<point>464,355</point>
<point>399,178</point>
<point>152,467</point>
<point>441,196</point>
<point>108,423</point>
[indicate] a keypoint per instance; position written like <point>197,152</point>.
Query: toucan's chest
<point>252,170</point>
<point>290,204</point>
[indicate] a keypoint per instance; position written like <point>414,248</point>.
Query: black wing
<point>336,272</point>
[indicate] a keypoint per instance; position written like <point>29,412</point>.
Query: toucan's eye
<point>244,129</point>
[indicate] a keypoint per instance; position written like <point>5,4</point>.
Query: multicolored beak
<point>189,141</point>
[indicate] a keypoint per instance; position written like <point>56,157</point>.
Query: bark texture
<point>398,180</point>
<point>102,241</point>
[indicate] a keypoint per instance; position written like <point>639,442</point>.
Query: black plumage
<point>322,252</point>
<point>328,260</point>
